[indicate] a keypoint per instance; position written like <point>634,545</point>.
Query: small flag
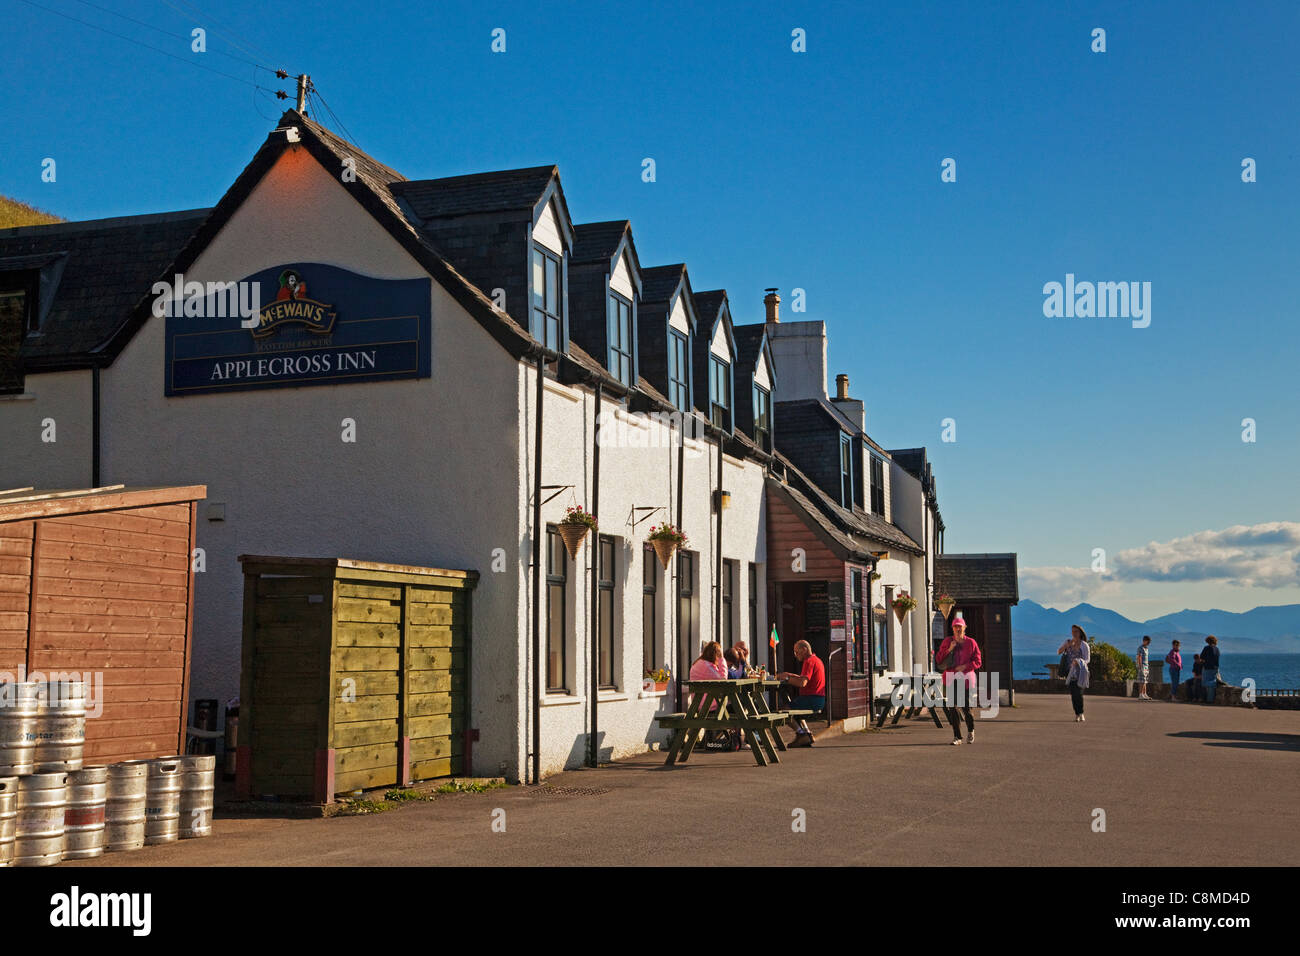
<point>774,639</point>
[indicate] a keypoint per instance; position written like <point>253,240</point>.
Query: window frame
<point>846,476</point>
<point>617,357</point>
<point>651,631</point>
<point>857,594</point>
<point>728,598</point>
<point>557,584</point>
<point>681,365</point>
<point>719,379</point>
<point>877,484</point>
<point>762,417</point>
<point>607,585</point>
<point>541,317</point>
<point>688,624</point>
<point>753,608</point>
<point>880,634</point>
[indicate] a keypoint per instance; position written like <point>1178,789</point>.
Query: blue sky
<point>821,171</point>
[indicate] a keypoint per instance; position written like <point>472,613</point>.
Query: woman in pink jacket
<point>959,656</point>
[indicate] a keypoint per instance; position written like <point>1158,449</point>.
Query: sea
<point>1267,670</point>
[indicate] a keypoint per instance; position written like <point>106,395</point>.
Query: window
<point>557,581</point>
<point>546,298</point>
<point>679,392</point>
<point>763,418</point>
<point>877,485</point>
<point>651,645</point>
<point>17,318</point>
<point>620,339</point>
<point>688,631</point>
<point>846,471</point>
<point>859,630</point>
<point>608,574</point>
<point>728,636</point>
<point>880,652</point>
<point>753,611</point>
<point>719,393</point>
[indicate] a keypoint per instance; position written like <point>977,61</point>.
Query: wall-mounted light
<point>726,500</point>
<point>216,511</point>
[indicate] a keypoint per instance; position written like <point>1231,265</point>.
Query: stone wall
<point>1227,694</point>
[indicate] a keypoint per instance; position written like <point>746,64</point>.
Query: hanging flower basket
<point>574,528</point>
<point>666,539</point>
<point>903,603</point>
<point>945,604</point>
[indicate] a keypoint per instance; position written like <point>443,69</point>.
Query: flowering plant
<point>666,532</point>
<point>578,515</point>
<point>659,675</point>
<point>904,602</point>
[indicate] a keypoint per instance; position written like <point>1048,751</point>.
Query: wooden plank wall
<point>436,657</point>
<point>15,594</point>
<point>367,666</point>
<point>110,596</point>
<point>787,530</point>
<point>291,622</point>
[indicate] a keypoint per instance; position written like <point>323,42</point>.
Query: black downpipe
<point>94,427</point>
<point>593,635</point>
<point>537,574</point>
<point>676,593</point>
<point>717,564</point>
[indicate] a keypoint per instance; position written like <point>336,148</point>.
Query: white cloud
<point>1249,556</point>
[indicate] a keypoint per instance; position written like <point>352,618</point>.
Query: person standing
<point>1197,692</point>
<point>1077,677</point>
<point>1175,661</point>
<point>960,658</point>
<point>1210,667</point>
<point>1144,666</point>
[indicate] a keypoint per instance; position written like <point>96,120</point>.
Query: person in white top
<point>1077,677</point>
<point>1144,666</point>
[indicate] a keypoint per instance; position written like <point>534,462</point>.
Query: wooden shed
<point>98,583</point>
<point>354,675</point>
<point>985,587</point>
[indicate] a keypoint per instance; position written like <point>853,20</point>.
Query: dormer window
<point>546,298</point>
<point>846,471</point>
<point>17,317</point>
<point>620,339</point>
<point>762,418</point>
<point>719,393</point>
<point>878,485</point>
<point>679,370</point>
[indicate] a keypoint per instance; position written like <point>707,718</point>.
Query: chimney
<point>773,302</point>
<point>841,387</point>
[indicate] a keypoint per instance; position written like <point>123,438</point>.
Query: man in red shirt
<point>811,682</point>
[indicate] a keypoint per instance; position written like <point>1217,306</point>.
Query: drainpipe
<point>717,564</point>
<point>593,635</point>
<point>676,598</point>
<point>537,573</point>
<point>94,427</point>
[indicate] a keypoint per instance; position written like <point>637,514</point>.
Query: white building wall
<point>638,468</point>
<point>428,481</point>
<point>53,405</point>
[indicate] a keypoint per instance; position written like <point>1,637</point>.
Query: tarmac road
<point>1179,784</point>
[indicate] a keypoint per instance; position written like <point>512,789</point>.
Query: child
<point>1175,661</point>
<point>1144,666</point>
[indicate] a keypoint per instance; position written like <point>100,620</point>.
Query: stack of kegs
<point>54,808</point>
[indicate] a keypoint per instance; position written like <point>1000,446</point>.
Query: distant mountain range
<point>1272,629</point>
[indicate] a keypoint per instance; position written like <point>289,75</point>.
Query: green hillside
<point>15,213</point>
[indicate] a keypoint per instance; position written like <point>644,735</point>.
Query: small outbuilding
<point>97,584</point>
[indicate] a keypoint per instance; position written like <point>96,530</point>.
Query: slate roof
<point>596,241</point>
<point>504,190</point>
<point>991,578</point>
<point>107,265</point>
<point>857,533</point>
<point>658,283</point>
<point>749,339</point>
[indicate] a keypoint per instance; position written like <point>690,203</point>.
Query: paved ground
<point>1221,783</point>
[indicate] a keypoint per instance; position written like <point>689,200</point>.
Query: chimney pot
<point>773,303</point>
<point>841,386</point>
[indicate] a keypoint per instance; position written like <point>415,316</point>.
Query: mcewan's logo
<point>292,306</point>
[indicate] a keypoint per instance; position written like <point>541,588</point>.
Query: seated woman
<point>710,664</point>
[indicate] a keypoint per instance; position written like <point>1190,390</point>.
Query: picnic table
<point>736,704</point>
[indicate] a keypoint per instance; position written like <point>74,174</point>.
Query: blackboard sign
<point>293,324</point>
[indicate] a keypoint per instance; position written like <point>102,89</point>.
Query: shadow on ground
<point>1243,739</point>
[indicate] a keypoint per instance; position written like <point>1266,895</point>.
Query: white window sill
<point>643,694</point>
<point>562,390</point>
<point>559,700</point>
<point>20,397</point>
<point>610,697</point>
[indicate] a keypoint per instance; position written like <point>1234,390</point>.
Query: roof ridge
<point>108,222</point>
